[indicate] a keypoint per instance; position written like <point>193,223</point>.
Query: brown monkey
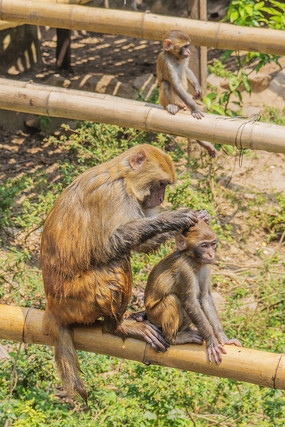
<point>87,239</point>
<point>178,293</point>
<point>173,74</point>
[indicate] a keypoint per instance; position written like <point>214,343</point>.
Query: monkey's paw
<point>214,352</point>
<point>198,94</point>
<point>152,335</point>
<point>197,114</point>
<point>172,108</point>
<point>203,214</point>
<point>225,340</point>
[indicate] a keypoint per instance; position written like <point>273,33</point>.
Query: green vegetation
<point>122,392</point>
<point>248,13</point>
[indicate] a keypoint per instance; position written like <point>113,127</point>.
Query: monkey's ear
<point>167,44</point>
<point>180,241</point>
<point>137,160</point>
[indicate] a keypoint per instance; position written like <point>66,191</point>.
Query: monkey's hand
<point>223,339</point>
<point>198,93</point>
<point>139,316</point>
<point>203,214</point>
<point>197,114</point>
<point>180,219</point>
<point>214,351</point>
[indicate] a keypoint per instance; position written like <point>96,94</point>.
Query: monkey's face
<point>184,51</point>
<point>156,194</point>
<point>206,251</point>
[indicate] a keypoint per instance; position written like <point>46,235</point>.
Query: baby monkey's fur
<point>178,292</point>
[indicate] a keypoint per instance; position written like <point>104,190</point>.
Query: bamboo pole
<point>143,25</point>
<point>241,364</point>
<point>80,105</point>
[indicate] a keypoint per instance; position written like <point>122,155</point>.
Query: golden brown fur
<point>174,74</point>
<point>174,77</point>
<point>86,244</point>
<point>178,292</point>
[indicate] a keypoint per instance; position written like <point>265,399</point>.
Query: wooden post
<point>197,9</point>
<point>63,50</point>
<point>242,364</point>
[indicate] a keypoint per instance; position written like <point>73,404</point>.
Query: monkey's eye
<point>163,184</point>
<point>204,245</point>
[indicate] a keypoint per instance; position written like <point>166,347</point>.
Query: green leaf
<point>234,16</point>
<point>219,110</point>
<point>249,9</point>
<point>259,5</point>
<point>208,102</point>
<point>212,95</point>
<point>226,55</point>
<point>234,82</point>
<point>246,83</point>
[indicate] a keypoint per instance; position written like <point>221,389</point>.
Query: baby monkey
<point>178,292</point>
<point>174,74</point>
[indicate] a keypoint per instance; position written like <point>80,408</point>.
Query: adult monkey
<point>87,239</point>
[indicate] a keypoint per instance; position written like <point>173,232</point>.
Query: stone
<point>259,81</point>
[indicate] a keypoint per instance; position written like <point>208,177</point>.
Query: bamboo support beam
<point>80,105</point>
<point>241,364</point>
<point>143,25</point>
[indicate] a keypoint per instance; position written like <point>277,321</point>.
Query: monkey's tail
<point>65,356</point>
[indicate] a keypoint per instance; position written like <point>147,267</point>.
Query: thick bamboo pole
<point>58,102</point>
<point>143,25</point>
<point>242,364</point>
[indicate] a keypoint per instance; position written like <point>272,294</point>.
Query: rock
<point>259,81</point>
<point>277,84</point>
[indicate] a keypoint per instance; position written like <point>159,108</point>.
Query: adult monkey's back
<point>87,239</point>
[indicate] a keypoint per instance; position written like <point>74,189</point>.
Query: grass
<point>122,392</point>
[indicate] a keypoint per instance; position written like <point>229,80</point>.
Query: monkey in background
<point>174,74</point>
<point>178,292</point>
<point>86,245</point>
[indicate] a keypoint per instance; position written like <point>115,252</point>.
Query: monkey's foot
<point>172,108</point>
<point>142,330</point>
<point>188,337</point>
<point>209,147</point>
<point>225,340</point>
